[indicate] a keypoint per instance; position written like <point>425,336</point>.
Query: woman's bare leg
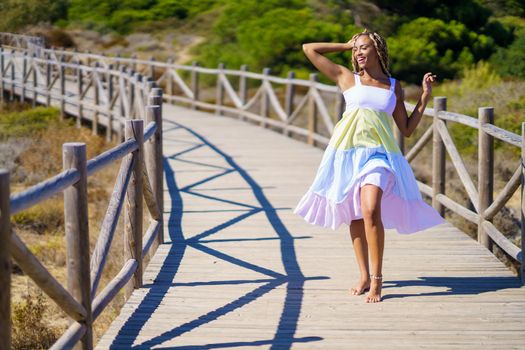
<point>375,235</point>
<point>357,232</point>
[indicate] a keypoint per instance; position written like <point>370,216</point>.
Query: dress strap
<point>357,79</point>
<point>392,84</point>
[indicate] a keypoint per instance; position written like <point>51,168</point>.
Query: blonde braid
<point>381,49</point>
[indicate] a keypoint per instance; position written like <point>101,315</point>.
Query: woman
<point>363,179</point>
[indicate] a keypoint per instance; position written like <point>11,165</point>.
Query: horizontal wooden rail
<point>35,194</point>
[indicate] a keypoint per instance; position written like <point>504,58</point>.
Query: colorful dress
<point>362,150</point>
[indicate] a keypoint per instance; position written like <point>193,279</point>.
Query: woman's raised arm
<point>315,51</point>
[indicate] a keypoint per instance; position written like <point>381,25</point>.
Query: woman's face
<point>364,52</point>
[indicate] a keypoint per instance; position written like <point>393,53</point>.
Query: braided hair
<point>379,44</point>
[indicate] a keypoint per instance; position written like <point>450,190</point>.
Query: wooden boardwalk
<point>240,270</point>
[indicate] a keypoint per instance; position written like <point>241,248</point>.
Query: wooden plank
<point>133,213</point>
<point>109,224</point>
<point>5,261</point>
<point>43,190</point>
<point>113,287</point>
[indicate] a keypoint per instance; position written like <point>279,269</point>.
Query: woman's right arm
<point>314,52</point>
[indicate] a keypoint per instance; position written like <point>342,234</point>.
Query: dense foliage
<point>444,36</point>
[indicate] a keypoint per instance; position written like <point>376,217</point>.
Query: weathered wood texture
<point>5,262</point>
<point>77,235</point>
<point>241,270</point>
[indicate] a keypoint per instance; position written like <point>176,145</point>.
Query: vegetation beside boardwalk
<point>31,148</point>
<point>442,36</point>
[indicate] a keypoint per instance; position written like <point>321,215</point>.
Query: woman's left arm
<point>405,124</point>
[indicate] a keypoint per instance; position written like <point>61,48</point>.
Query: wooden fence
<point>128,106</point>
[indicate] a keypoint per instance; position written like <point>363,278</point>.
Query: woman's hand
<point>428,79</point>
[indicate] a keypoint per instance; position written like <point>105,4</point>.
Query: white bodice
<point>373,97</point>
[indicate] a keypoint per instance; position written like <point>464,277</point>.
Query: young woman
<point>363,179</point>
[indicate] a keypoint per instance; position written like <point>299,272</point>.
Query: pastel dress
<point>362,150</point>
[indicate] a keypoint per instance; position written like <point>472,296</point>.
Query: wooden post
<point>35,81</point>
<point>117,60</point>
<point>94,78</point>
<point>522,269</point>
<point>312,111</point>
<point>151,155</point>
<point>438,156</point>
<point>485,172</point>
<point>152,67</point>
<point>77,235</point>
<point>219,98</point>
<point>24,81</point>
<point>48,79</point>
<point>131,91</point>
<point>2,65</point>
<point>109,111</point>
<point>88,58</point>
<point>13,77</point>
<point>135,89</point>
<point>80,86</point>
<point>194,83</point>
<point>62,78</point>
<point>243,88</point>
<point>134,62</point>
<point>133,214</point>
<point>122,108</point>
<point>149,85</point>
<point>156,100</point>
<point>5,262</point>
<point>170,85</point>
<point>288,100</point>
<point>265,101</point>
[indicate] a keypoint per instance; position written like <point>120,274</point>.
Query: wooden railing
<point>122,102</point>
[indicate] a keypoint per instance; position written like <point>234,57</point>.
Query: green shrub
<point>510,61</point>
<point>19,13</point>
<point>426,44</point>
<point>25,123</point>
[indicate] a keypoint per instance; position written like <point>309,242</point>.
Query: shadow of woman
<point>454,285</point>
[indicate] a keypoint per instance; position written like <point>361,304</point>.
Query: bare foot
<point>362,286</point>
<point>374,295</point>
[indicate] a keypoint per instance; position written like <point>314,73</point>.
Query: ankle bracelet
<point>378,277</point>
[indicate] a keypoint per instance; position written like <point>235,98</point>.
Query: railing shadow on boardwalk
<point>293,278</point>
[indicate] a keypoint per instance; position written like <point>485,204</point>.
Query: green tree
<point>269,34</point>
<point>19,13</point>
<point>426,44</point>
<point>510,62</point>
